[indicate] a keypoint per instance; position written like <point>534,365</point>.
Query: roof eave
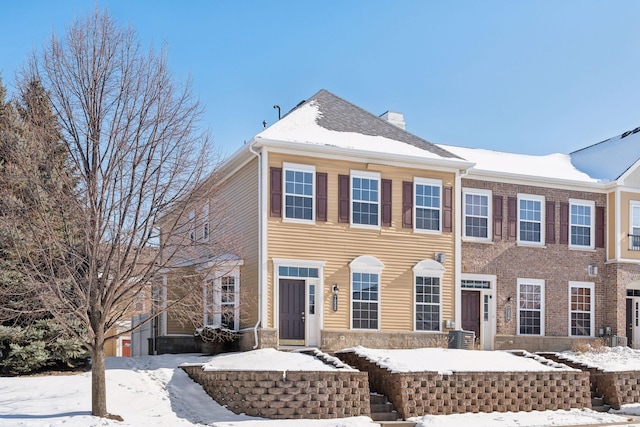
<point>539,181</point>
<point>384,158</point>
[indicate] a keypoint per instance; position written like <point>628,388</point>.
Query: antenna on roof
<point>264,124</point>
<point>278,107</point>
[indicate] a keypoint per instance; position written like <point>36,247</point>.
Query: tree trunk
<point>98,378</point>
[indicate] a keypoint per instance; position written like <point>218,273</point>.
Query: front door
<point>471,312</point>
<point>292,304</point>
<point>633,322</point>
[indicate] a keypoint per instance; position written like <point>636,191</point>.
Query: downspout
<point>261,239</point>
<point>458,247</point>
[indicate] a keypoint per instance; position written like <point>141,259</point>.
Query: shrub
<point>44,345</point>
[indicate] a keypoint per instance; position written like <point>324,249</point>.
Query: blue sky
<point>530,77</point>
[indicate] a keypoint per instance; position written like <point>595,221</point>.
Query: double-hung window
<point>299,192</point>
<point>365,292</point>
<point>477,207</point>
<point>531,219</point>
<point>581,304</point>
<point>192,226</point>
<point>530,307</point>
<point>634,225</point>
<point>205,222</point>
<point>428,205</point>
<point>427,294</point>
<point>365,199</point>
<point>228,302</point>
<point>581,224</point>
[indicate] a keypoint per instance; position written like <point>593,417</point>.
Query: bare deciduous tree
<point>138,158</point>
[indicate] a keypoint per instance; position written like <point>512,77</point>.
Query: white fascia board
<point>629,171</point>
<point>340,153</point>
<point>538,181</point>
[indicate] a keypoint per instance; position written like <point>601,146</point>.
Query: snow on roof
<point>554,166</point>
<point>609,159</point>
<point>266,359</point>
<point>328,120</point>
<point>609,359</point>
<point>446,360</point>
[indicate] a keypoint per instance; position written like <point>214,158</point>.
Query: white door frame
<point>313,322</point>
<point>488,314</point>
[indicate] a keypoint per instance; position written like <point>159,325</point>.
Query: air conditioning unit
<point>618,341</point>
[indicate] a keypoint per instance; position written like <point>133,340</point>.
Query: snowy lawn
<point>153,391</point>
<point>609,359</point>
<point>445,360</point>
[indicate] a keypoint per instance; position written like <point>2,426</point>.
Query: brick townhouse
<point>355,231</point>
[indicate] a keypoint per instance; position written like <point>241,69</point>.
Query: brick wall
<point>555,263</point>
<point>430,393</point>
<point>294,394</point>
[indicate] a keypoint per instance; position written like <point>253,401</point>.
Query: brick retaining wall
<point>294,394</point>
<point>430,393</point>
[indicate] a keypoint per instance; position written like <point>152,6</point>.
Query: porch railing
<point>635,242</point>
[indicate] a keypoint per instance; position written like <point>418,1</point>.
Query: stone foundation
<point>430,393</point>
<point>291,394</point>
<point>537,344</point>
<point>333,340</point>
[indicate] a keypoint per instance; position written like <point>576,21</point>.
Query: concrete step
<point>381,409</point>
<point>384,416</point>
<point>396,424</point>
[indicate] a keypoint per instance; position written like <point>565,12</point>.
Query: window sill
<point>476,240</point>
<point>365,226</point>
<point>531,245</point>
<point>582,249</point>
<point>421,231</point>
<point>298,221</point>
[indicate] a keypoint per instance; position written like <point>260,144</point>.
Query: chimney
<point>396,119</point>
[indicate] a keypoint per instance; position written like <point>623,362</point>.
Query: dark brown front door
<point>292,311</point>
<point>471,312</point>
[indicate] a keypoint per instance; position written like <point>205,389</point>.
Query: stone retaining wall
<point>430,393</point>
<point>618,388</point>
<point>291,394</point>
<point>615,388</point>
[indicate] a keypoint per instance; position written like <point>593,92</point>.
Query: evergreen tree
<point>33,172</point>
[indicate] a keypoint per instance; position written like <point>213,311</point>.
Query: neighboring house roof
<point>327,120</point>
<point>555,167</point>
<point>610,159</point>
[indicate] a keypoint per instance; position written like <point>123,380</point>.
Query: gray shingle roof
<point>342,116</point>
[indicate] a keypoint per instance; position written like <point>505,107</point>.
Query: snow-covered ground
<point>153,391</point>
<point>446,360</point>
<point>610,359</point>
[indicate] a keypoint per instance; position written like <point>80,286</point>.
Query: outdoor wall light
<point>335,288</point>
<point>592,269</point>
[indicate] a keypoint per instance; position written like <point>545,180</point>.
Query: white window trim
<point>536,198</point>
<point>539,282</point>
<point>299,168</point>
<point>488,194</point>
<point>206,231</point>
<point>632,204</point>
<point>192,226</point>
<point>591,287</point>
<point>365,175</point>
<point>365,264</point>
<point>434,183</point>
<point>592,223</point>
<point>432,269</point>
<point>215,279</point>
